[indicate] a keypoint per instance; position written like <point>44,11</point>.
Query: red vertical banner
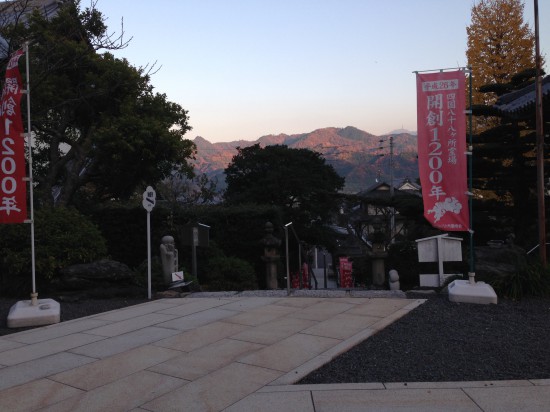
<point>13,190</point>
<point>442,149</point>
<point>346,270</point>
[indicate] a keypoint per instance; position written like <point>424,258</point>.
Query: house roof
<point>382,190</point>
<point>516,103</point>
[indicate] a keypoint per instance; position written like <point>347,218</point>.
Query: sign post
<point>149,200</point>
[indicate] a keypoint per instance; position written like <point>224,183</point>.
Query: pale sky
<point>248,68</point>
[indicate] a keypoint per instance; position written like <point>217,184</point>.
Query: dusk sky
<point>244,69</point>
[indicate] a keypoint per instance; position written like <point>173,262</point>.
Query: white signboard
<point>149,199</point>
<point>177,276</point>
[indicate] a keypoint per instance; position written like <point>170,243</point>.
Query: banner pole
<point>471,275</point>
<point>34,295</point>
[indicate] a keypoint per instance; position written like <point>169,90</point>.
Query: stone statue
<point>394,280</point>
<point>168,258</point>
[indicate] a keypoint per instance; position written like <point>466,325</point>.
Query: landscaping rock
<point>100,280</point>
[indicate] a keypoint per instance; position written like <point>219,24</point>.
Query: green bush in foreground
<point>63,237</point>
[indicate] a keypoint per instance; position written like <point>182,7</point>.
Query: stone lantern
<point>271,256</point>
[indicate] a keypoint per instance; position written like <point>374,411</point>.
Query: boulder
<point>101,279</point>
<point>104,269</point>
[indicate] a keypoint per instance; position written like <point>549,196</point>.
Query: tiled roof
<point>515,103</point>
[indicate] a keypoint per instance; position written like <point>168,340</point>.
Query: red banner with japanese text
<point>13,190</point>
<point>346,270</point>
<point>442,160</point>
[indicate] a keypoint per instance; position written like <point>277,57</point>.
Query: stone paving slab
<point>341,326</point>
<point>131,324</point>
<point>7,344</point>
<point>455,385</point>
<point>42,349</point>
<point>242,305</point>
<point>55,331</point>
<point>111,346</point>
<point>118,315</point>
<point>502,399</point>
<point>121,395</point>
<point>11,376</point>
<point>261,315</point>
<point>290,352</point>
<point>412,400</point>
<point>36,394</point>
<point>104,371</point>
<point>194,306</point>
<point>215,391</point>
<point>379,307</point>
<point>197,319</point>
<point>274,331</point>
<point>309,366</point>
<point>269,402</point>
<point>201,336</point>
<point>323,310</point>
<point>194,365</point>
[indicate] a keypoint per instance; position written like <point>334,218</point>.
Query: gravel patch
<point>443,341</point>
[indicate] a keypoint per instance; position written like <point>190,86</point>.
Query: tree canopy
<point>101,131</point>
<point>500,44</point>
<point>297,180</point>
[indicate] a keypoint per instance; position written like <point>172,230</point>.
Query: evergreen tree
<point>299,181</point>
<point>101,132</point>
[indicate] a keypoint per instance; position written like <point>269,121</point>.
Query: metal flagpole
<point>34,294</point>
<point>540,144</point>
<point>472,272</point>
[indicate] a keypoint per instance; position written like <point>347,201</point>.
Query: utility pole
<point>392,210</point>
<point>540,143</point>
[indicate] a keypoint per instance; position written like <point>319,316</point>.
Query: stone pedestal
<point>271,271</point>
<point>378,275</point>
<point>470,291</point>
<point>271,256</point>
<point>34,312</point>
<point>378,255</point>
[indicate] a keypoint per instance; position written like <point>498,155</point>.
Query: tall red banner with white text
<point>442,149</point>
<point>13,190</point>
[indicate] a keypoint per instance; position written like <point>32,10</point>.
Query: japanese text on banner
<point>13,191</point>
<point>441,149</point>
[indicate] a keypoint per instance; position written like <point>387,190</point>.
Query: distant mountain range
<point>360,157</point>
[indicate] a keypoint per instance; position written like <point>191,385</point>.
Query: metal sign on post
<point>149,201</point>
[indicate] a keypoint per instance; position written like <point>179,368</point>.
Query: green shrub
<point>62,237</point>
<point>529,280</point>
<point>228,273</point>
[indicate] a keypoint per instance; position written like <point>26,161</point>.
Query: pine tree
<point>500,44</point>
